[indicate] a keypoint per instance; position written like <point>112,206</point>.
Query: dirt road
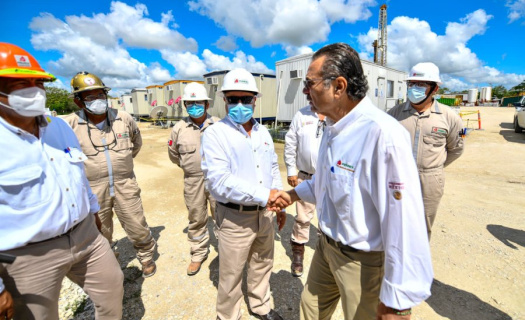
<point>478,242</point>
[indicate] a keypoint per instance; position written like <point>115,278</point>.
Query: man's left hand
<point>386,313</point>
<point>281,219</point>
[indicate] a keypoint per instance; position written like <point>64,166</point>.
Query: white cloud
<point>517,9</point>
<point>240,60</point>
<point>226,43</point>
<point>294,51</point>
<point>411,41</point>
<point>287,22</point>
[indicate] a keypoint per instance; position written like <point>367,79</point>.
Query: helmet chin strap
<point>428,96</point>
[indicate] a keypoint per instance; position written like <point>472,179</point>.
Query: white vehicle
<point>519,116</point>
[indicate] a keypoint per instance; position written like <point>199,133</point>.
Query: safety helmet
<point>424,71</point>
<point>239,80</point>
<point>15,62</point>
<point>194,91</point>
<point>85,81</point>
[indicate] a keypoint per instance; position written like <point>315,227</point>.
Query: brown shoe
<point>194,268</point>
<point>148,268</point>
<point>297,258</point>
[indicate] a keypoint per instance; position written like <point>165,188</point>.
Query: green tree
<point>443,90</point>
<point>499,91</point>
<point>59,100</point>
<point>519,88</point>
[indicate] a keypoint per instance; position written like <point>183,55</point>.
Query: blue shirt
<point>43,188</point>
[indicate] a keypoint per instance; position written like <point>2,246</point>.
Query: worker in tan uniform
<point>184,150</point>
<point>111,139</point>
<point>436,132</point>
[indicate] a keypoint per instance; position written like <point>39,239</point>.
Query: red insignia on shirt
<point>170,143</point>
<point>339,162</point>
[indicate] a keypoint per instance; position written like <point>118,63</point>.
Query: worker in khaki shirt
<point>184,150</point>
<point>436,132</point>
<point>242,172</point>
<point>111,139</point>
<point>300,154</point>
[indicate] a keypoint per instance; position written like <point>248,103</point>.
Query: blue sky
<point>139,43</point>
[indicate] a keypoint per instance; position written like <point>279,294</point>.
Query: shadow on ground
<point>456,304</point>
<point>133,307</point>
<point>507,131</point>
<point>507,235</point>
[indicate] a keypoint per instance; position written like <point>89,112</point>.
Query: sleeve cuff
<point>304,192</point>
<point>261,196</point>
<point>392,296</point>
<point>291,171</point>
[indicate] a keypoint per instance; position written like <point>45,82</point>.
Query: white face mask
<point>27,102</point>
<point>98,106</point>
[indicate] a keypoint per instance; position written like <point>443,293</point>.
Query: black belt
<point>339,244</point>
<point>59,236</point>
<point>306,173</point>
<point>240,207</point>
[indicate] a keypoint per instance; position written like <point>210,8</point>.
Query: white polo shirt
<point>368,196</point>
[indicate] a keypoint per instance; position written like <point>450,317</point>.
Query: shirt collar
<point>351,116</point>
<point>433,109</point>
<point>208,121</point>
<point>111,116</point>
<point>239,127</point>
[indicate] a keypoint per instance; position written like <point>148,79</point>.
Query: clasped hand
<point>278,200</point>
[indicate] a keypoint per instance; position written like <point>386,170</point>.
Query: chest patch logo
<point>345,166</point>
<point>123,135</point>
<point>439,130</point>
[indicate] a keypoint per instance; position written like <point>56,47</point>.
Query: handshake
<point>280,199</point>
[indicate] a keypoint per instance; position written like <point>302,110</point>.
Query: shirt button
<point>257,166</point>
<point>73,205</point>
<point>51,159</point>
<point>260,181</point>
<point>254,150</point>
<point>67,189</point>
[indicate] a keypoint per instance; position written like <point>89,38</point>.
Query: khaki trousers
<point>338,273</point>
<point>84,256</point>
<point>305,213</point>
<point>432,187</point>
<point>197,198</point>
<point>244,237</point>
<point>128,208</point>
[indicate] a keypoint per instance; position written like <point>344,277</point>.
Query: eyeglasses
<point>105,146</point>
<point>309,83</point>
<point>320,128</point>
<point>190,103</point>
<point>243,100</point>
<point>420,84</point>
<point>93,97</point>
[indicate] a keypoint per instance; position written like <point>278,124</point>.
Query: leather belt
<point>339,244</point>
<point>240,207</point>
<point>306,173</point>
<point>59,236</point>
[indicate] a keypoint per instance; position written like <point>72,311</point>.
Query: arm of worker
<point>7,310</point>
<point>173,152</point>
<point>136,138</point>
<point>455,142</point>
<point>220,181</point>
<point>397,196</point>
<point>290,151</point>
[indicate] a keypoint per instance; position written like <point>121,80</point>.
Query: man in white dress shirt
<point>242,173</point>
<point>47,210</point>
<point>300,154</point>
<point>373,253</point>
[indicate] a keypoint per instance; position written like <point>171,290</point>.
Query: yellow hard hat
<point>85,81</point>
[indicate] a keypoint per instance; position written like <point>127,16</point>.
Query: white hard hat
<point>194,91</point>
<point>424,71</point>
<point>239,80</point>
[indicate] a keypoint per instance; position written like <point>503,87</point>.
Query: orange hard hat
<point>15,62</point>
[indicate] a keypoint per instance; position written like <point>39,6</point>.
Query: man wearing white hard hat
<point>436,133</point>
<point>240,166</point>
<point>184,150</point>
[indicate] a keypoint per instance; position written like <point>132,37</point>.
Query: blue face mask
<point>417,94</point>
<point>240,113</point>
<point>195,110</point>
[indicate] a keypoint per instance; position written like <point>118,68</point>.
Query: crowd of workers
<point>374,179</point>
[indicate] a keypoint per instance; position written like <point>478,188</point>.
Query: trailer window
<point>390,89</point>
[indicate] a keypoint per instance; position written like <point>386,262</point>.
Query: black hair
<point>341,60</point>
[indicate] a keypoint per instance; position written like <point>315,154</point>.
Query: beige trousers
<point>84,256</point>
<point>127,205</point>
<point>305,213</point>
<point>338,273</point>
<point>432,187</point>
<point>245,237</point>
<point>197,198</point>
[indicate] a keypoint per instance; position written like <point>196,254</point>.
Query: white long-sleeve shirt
<point>239,168</point>
<point>368,196</point>
<point>302,142</point>
<point>43,189</point>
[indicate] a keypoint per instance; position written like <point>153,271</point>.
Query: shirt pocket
<point>340,191</point>
<point>123,141</point>
<point>434,140</point>
<point>24,188</point>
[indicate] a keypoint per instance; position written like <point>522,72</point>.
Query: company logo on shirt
<point>396,185</point>
<point>439,130</point>
<point>345,166</point>
<point>170,143</point>
<point>124,135</point>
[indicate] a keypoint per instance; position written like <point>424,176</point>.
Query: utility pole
<point>381,38</point>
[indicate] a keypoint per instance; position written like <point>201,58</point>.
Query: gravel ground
<point>478,241</point>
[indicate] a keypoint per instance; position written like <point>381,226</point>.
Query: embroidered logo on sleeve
<point>345,166</point>
<point>396,187</point>
<point>170,143</point>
